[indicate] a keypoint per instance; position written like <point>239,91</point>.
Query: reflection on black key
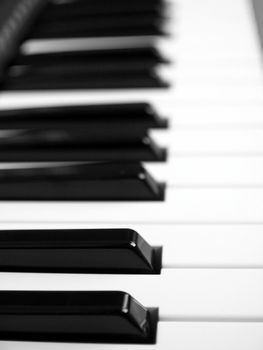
<point>111,317</point>
<point>121,251</point>
<point>94,182</point>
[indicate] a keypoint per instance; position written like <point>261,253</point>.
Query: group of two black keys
<point>103,62</point>
<point>90,153</point>
<point>77,316</point>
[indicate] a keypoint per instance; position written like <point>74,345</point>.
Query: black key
<point>88,133</point>
<point>102,317</point>
<point>110,80</point>
<point>87,61</point>
<point>79,31</point>
<point>78,251</point>
<point>80,125</point>
<point>145,150</point>
<point>87,69</point>
<point>75,8</point>
<point>90,182</point>
<point>58,15</point>
<point>90,26</point>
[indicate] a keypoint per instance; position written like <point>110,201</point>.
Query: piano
<point>131,175</point>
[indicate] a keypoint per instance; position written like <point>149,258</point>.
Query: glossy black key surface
<point>87,61</point>
<point>74,133</point>
<point>57,14</point>
<point>145,150</point>
<point>80,19</point>
<point>97,317</point>
<point>87,124</point>
<point>101,26</point>
<point>62,11</point>
<point>90,182</point>
<point>135,68</point>
<point>86,80</point>
<point>110,251</point>
<point>79,32</point>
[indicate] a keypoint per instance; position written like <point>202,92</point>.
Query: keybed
<point>210,225</point>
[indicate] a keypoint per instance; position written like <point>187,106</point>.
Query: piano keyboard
<point>160,245</point>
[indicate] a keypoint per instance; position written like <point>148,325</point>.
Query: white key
<point>200,114</point>
<point>192,294</point>
<point>183,171</point>
<point>174,335</point>
<point>211,141</point>
<point>193,205</point>
<point>215,27</point>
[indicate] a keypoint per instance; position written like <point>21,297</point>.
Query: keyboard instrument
<point>131,175</point>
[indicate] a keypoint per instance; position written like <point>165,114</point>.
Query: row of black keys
<point>115,133</point>
<point>105,133</point>
<point>100,18</point>
<point>113,139</point>
<point>88,133</point>
<point>90,68</point>
<point>77,316</point>
<point>130,68</point>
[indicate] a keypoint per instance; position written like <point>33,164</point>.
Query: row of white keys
<point>187,246</point>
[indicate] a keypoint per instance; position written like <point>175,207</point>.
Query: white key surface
<point>195,141</point>
<point>209,170</point>
<point>183,205</point>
